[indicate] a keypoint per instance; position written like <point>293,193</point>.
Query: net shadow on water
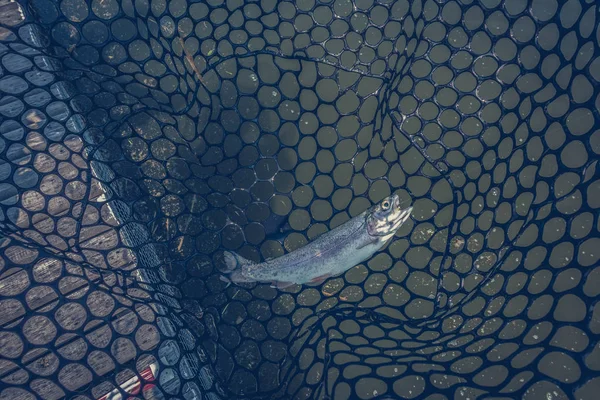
<point>140,139</point>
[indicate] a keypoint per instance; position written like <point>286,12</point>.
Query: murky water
<point>141,139</point>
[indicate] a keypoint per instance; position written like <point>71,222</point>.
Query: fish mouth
<point>400,215</point>
<point>384,222</point>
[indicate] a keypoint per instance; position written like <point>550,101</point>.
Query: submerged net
<point>139,139</point>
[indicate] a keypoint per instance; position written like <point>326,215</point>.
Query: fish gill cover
<point>139,139</point>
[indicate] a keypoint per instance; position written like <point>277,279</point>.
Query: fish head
<point>385,218</point>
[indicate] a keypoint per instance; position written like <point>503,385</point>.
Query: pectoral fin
<point>365,245</point>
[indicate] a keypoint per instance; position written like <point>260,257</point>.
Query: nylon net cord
<point>140,139</point>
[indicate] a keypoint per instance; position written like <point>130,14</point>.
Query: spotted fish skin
<point>331,254</point>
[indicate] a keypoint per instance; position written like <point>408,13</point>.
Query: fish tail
<point>230,261</point>
<point>235,264</point>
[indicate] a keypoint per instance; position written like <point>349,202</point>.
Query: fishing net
<point>139,139</point>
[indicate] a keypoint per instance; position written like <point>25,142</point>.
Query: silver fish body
<point>331,254</point>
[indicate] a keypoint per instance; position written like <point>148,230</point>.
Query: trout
<point>329,255</point>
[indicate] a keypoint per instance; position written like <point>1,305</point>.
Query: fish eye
<point>385,205</point>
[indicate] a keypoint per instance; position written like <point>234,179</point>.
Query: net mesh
<point>141,138</point>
